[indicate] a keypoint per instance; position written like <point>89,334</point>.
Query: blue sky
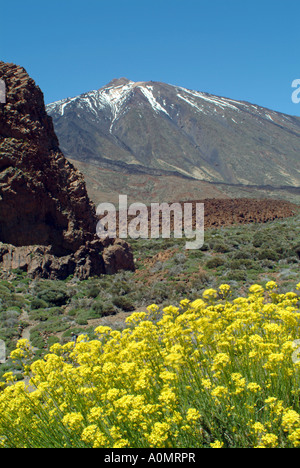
<point>245,50</point>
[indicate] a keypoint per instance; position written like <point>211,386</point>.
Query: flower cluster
<point>209,373</point>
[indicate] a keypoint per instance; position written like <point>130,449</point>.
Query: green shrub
<point>220,247</point>
<point>242,254</point>
<point>241,263</point>
<point>38,303</point>
<point>36,339</point>
<point>108,309</point>
<point>236,275</point>
<point>97,307</point>
<point>124,303</point>
<point>268,254</point>
<point>93,291</point>
<point>53,293</point>
<point>52,340</point>
<point>197,254</point>
<point>7,285</point>
<point>215,262</point>
<point>52,325</point>
<point>261,238</point>
<point>44,314</point>
<point>81,321</point>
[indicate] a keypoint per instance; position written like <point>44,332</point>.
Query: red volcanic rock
<point>118,257</point>
<point>226,212</point>
<point>43,198</point>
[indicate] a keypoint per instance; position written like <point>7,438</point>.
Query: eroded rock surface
<point>47,221</point>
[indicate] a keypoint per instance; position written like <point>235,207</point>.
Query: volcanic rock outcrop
<point>47,222</point>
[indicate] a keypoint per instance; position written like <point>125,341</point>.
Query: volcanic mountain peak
<point>113,95</point>
<point>117,82</point>
<point>160,128</point>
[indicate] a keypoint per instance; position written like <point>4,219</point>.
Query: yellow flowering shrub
<point>209,373</point>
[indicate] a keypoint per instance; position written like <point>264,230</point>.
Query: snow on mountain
<point>115,99</point>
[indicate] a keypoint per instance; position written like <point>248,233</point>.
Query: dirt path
<point>25,334</point>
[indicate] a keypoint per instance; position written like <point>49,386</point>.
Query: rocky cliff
<point>43,198</point>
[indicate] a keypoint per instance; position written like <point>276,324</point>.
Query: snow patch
<point>269,117</point>
<point>115,98</point>
<point>190,103</point>
<point>60,106</point>
<point>220,102</point>
<point>148,93</point>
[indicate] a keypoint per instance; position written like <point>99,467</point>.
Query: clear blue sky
<point>247,50</point>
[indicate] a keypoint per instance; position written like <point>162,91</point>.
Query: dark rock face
<point>43,198</point>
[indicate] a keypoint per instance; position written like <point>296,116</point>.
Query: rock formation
<point>47,222</point>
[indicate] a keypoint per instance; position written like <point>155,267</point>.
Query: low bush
<point>215,262</point>
<point>53,293</point>
<point>236,275</point>
<point>124,303</point>
<point>268,254</point>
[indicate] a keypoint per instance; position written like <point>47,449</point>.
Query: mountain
<point>157,129</point>
<point>47,221</point>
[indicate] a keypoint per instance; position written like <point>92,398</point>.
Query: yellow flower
<point>198,304</point>
<point>102,330</point>
<point>217,444</point>
<point>73,421</point>
<point>224,290</point>
<point>121,443</point>
<point>9,377</point>
<point>159,435</point>
<point>258,427</point>
<point>153,308</point>
<point>290,419</point>
<point>253,387</point>
<point>192,415</point>
<point>206,383</point>
<point>269,440</point>
<point>210,294</point>
<point>273,360</point>
<point>256,289</point>
<point>167,396</point>
<point>219,391</point>
<point>220,360</point>
<point>271,285</point>
<point>185,302</point>
<point>93,436</point>
<point>22,351</point>
<point>294,437</point>
<point>168,376</point>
